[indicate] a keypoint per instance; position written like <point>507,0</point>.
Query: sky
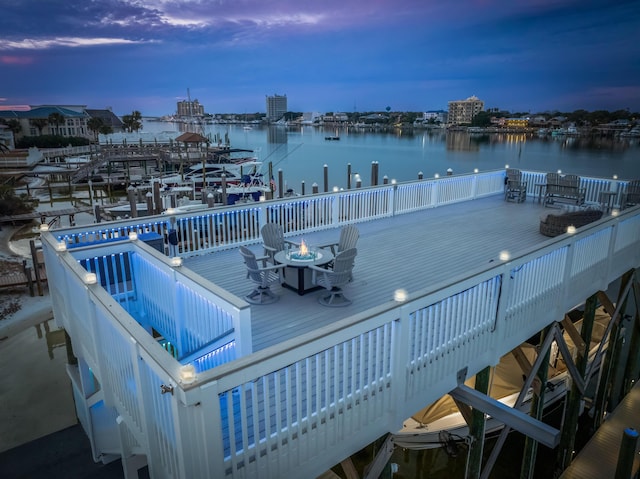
<point>324,55</point>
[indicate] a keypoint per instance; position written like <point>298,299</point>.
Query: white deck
<point>411,251</point>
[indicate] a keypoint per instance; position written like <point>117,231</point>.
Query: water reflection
<point>54,338</point>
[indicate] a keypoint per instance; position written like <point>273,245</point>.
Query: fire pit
<point>304,253</point>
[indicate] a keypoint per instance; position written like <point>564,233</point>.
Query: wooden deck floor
<point>410,251</point>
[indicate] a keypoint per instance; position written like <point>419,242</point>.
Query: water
<point>301,153</point>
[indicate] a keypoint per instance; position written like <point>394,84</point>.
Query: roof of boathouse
<point>190,137</point>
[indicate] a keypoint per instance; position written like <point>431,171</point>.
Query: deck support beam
<point>604,394</point>
<point>477,427</point>
<point>537,407</point>
<point>517,420</point>
<point>632,368</point>
<point>566,449</point>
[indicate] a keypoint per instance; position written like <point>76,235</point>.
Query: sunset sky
<point>327,55</point>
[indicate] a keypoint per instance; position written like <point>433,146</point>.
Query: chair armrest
<point>318,268</point>
<point>292,243</point>
<point>332,246</point>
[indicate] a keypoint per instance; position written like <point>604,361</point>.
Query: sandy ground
<point>35,395</point>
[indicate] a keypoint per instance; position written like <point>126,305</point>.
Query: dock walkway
<point>599,457</point>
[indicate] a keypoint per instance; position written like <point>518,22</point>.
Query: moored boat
<point>441,424</point>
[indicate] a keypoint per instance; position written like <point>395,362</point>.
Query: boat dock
<point>599,458</point>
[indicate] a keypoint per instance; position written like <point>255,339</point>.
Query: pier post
<point>476,428</point>
<point>627,453</point>
<point>280,184</point>
<point>605,400</point>
<point>302,188</point>
<point>326,178</point>
<point>156,197</point>
<point>420,175</point>
<point>224,189</point>
<point>385,180</point>
<point>632,368</point>
<point>149,199</point>
<point>537,408</point>
<point>374,174</point>
<point>348,176</point>
<point>132,196</point>
<point>314,188</point>
<point>568,434</point>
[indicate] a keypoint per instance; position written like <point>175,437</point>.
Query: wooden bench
<point>563,188</point>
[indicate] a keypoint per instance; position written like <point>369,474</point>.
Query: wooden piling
<point>568,433</point>
<point>326,178</point>
<point>603,401</point>
<point>477,427</point>
<point>348,176</point>
<point>537,408</point>
<point>280,184</point>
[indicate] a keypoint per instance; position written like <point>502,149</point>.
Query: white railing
<point>305,404</point>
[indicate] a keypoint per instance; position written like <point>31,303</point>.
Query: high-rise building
<point>461,112</point>
<point>276,107</point>
<point>190,108</point>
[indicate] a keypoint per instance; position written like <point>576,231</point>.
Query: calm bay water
<point>302,152</point>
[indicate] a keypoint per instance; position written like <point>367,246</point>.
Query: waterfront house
<point>176,372</point>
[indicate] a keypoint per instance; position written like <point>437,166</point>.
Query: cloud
<point>72,42</point>
<point>14,60</point>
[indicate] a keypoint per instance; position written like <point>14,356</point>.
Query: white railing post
<point>243,335</point>
<point>399,357</point>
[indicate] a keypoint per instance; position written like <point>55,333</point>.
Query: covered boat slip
<point>322,383</point>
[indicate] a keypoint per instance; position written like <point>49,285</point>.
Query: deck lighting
<point>615,212</point>
<point>615,177</point>
<point>571,229</point>
<point>506,166</point>
<point>263,198</point>
<point>133,236</point>
<point>504,255</point>
<point>393,181</point>
<point>559,172</point>
<point>436,176</point>
<point>44,227</point>
<point>475,170</point>
<point>336,189</point>
<point>61,246</point>
<point>171,211</point>
<point>90,278</point>
<point>187,374</point>
<point>400,295</point>
<point>176,261</point>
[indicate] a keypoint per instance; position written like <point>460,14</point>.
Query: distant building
<point>461,112</point>
<point>187,108</point>
<point>516,122</point>
<point>6,137</point>
<point>439,116</point>
<point>276,107</point>
<point>37,121</point>
<point>108,119</point>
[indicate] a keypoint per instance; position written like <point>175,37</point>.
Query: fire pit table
<point>297,275</point>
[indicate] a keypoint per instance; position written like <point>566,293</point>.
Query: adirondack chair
<point>262,276</point>
<point>515,189</point>
<point>333,279</point>
<point>348,239</point>
<point>273,240</point>
<point>632,195</point>
<point>349,236</point>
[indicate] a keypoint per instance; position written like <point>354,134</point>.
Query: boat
<point>210,174</point>
<point>332,138</point>
<point>442,425</point>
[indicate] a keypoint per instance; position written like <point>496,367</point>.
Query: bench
<point>557,224</point>
<point>563,188</point>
